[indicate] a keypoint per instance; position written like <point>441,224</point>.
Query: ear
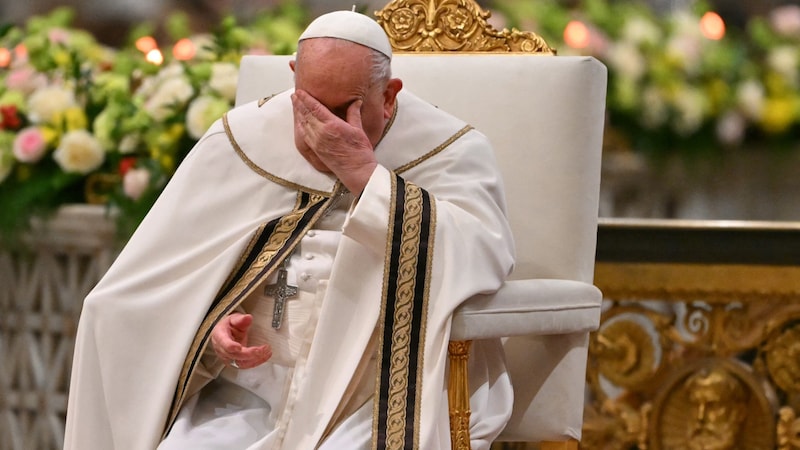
<point>393,87</point>
<point>291,65</point>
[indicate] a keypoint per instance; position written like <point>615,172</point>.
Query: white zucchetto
<point>350,26</point>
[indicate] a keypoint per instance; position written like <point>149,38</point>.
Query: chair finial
<point>451,25</point>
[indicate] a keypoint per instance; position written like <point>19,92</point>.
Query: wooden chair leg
<point>458,401</point>
<point>458,394</point>
<point>565,445</point>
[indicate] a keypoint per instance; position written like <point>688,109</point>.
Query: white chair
<point>544,116</point>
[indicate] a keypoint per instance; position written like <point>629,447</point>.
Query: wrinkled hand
<point>229,340</point>
<point>341,145</point>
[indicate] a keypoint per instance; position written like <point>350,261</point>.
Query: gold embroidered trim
<point>401,345</point>
<point>403,316</point>
<point>265,100</point>
<point>382,318</point>
<point>435,151</point>
<point>243,257</point>
<point>423,329</point>
<point>279,238</point>
<point>255,168</point>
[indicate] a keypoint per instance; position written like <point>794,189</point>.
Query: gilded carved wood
<point>695,356</point>
<point>458,394</point>
<point>451,25</point>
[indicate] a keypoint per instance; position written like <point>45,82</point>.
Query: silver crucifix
<point>280,291</point>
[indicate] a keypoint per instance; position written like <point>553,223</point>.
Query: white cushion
<point>527,307</point>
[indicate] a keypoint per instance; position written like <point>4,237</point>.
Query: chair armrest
<point>529,307</point>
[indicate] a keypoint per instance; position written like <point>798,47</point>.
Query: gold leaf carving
<point>782,357</point>
<point>625,352</point>
<point>788,429</point>
<point>451,25</point>
<point>715,403</point>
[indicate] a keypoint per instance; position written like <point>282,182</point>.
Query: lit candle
<point>5,57</point>
<point>712,26</point>
<point>184,50</point>
<point>145,44</point>
<point>576,34</point>
<point>155,57</point>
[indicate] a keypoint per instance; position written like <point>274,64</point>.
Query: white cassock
<point>244,204</point>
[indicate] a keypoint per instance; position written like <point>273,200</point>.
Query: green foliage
<point>673,89</point>
<point>81,122</point>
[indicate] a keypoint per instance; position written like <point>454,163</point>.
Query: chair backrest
<point>544,116</point>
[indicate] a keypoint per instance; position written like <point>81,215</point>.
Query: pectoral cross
<point>280,291</point>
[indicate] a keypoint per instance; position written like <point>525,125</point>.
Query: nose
<point>701,412</point>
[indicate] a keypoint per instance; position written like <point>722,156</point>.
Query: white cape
<point>138,323</point>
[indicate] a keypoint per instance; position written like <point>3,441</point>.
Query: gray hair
<point>380,70</point>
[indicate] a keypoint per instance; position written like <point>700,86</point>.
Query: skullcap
<point>350,26</point>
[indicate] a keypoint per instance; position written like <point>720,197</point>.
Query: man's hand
<point>229,339</point>
<point>341,145</point>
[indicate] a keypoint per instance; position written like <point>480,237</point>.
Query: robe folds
<point>228,216</point>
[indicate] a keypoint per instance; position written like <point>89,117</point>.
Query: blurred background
<point>703,104</point>
<point>100,100</point>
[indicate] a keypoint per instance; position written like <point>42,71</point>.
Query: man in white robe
<point>379,214</point>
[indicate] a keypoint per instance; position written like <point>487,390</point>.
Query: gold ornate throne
<point>544,115</point>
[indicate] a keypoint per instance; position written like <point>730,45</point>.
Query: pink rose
<point>29,145</point>
<point>135,182</point>
<point>58,36</point>
<point>25,79</point>
<point>785,20</point>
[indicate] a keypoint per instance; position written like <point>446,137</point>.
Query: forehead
<point>331,69</point>
<point>332,57</point>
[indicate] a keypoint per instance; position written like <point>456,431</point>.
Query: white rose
<point>750,98</point>
<point>654,108</point>
<point>684,23</point>
<point>628,60</point>
<point>784,60</point>
<point>690,108</point>
<point>730,128</point>
<point>204,47</point>
<point>639,30</point>
<point>687,50</point>
<point>135,182</point>
<point>171,93</point>
<point>202,113</point>
<point>48,102</point>
<point>79,152</point>
<point>129,143</point>
<point>224,77</point>
<point>150,84</point>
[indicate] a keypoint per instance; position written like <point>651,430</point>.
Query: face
<point>718,414</point>
<point>338,73</point>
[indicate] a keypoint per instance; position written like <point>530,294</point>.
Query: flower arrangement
<point>83,122</point>
<point>681,82</point>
